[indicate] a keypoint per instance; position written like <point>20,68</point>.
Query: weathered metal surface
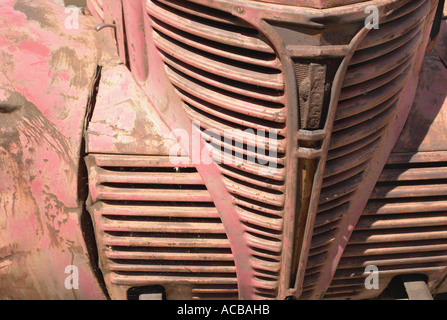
<point>187,67</point>
<point>425,129</point>
<point>320,4</point>
<point>123,121</point>
<point>113,15</point>
<point>334,94</point>
<point>155,222</point>
<point>156,225</point>
<point>416,288</point>
<point>204,68</point>
<point>96,7</point>
<point>365,129</point>
<point>46,73</point>
<point>136,38</point>
<point>405,235</point>
<point>203,82</point>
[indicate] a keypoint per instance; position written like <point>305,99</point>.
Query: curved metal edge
<point>161,94</point>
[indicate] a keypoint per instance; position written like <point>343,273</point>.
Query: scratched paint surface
<point>46,72</point>
<point>124,121</point>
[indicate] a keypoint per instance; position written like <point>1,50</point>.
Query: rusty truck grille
<point>371,89</point>
<point>156,224</point>
<point>403,229</point>
<point>164,228</point>
<point>230,80</point>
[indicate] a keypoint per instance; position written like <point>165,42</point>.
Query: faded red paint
<point>167,68</point>
<point>411,239</point>
<point>338,98</point>
<point>39,152</point>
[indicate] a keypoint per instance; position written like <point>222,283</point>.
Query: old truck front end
<point>219,149</point>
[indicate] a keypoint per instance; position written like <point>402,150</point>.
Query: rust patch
<point>56,214</point>
<point>34,12</point>
<point>67,58</point>
<point>7,62</point>
<point>18,115</point>
<point>14,102</point>
<point>5,252</point>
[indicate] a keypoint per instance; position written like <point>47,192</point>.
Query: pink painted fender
<point>46,74</point>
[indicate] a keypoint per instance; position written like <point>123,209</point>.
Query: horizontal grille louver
<point>229,78</point>
<point>159,226</point>
<point>402,230</point>
<point>372,86</point>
